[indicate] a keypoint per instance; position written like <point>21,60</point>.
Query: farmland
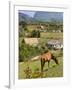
<point>35,66</point>
<point>33,41</point>
<point>45,36</point>
<point>52,35</point>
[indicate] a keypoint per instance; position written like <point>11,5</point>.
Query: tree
<point>23,51</point>
<point>23,24</point>
<point>22,28</point>
<point>35,33</point>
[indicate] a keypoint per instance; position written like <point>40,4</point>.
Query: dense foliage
<point>26,52</point>
<point>35,34</point>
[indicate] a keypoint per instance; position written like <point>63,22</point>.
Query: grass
<point>46,36</point>
<point>52,35</point>
<point>52,71</point>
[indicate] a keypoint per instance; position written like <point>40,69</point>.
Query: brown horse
<point>46,57</point>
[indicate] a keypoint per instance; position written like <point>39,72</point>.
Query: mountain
<point>41,16</point>
<point>26,18</point>
<point>49,16</point>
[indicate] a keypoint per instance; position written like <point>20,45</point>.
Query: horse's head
<point>55,59</point>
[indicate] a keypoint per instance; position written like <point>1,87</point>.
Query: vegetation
<point>26,51</point>
<point>35,69</point>
<point>32,69</point>
<point>22,28</point>
<point>52,35</point>
<point>23,24</point>
<point>35,34</point>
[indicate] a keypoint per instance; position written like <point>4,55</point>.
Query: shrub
<point>28,72</point>
<point>35,33</point>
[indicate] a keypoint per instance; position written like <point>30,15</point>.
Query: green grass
<point>46,36</point>
<point>51,35</point>
<point>31,28</point>
<point>52,71</point>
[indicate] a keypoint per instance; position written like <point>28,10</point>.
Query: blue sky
<point>30,13</point>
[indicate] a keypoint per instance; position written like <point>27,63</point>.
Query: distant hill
<point>49,16</point>
<point>24,17</point>
<point>42,17</point>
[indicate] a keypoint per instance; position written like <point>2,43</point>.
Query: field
<point>45,36</point>
<point>52,71</point>
<point>52,35</point>
<point>35,67</point>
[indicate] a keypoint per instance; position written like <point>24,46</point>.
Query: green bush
<point>35,33</point>
<point>28,72</point>
<point>22,28</point>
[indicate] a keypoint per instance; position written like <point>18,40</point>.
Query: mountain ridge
<point>42,16</point>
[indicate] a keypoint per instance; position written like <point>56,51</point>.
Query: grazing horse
<point>46,57</point>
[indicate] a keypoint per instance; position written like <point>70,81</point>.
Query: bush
<point>23,28</point>
<point>23,24</point>
<point>23,52</point>
<point>28,72</point>
<point>35,34</point>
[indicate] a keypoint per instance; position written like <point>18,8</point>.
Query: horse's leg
<point>41,68</point>
<point>48,62</point>
<point>41,65</point>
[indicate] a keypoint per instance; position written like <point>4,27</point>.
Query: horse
<point>47,57</point>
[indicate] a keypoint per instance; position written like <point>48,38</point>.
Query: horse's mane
<point>46,51</point>
<point>45,54</point>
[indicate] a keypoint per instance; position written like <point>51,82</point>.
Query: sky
<point>30,13</point>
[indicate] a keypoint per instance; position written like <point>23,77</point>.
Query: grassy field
<point>35,66</point>
<point>52,35</point>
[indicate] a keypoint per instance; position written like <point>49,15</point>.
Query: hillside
<point>49,16</point>
<point>41,16</point>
